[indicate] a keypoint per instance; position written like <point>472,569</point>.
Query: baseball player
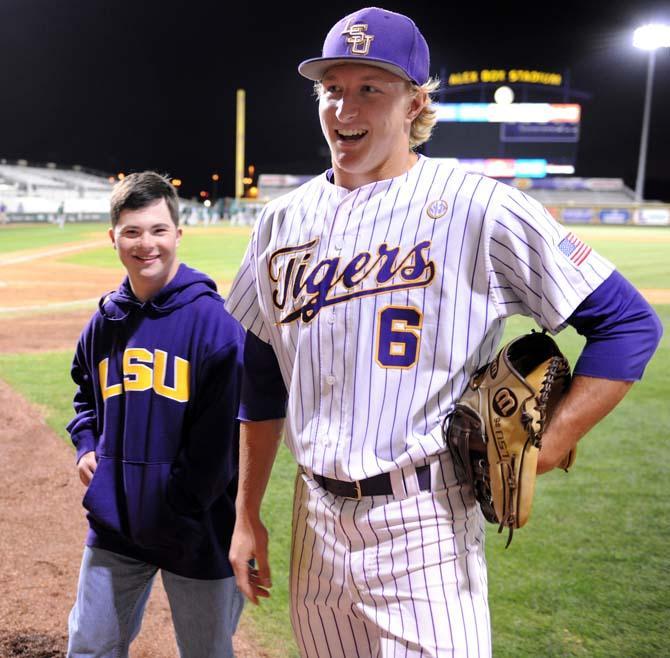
<point>158,369</point>
<point>370,295</point>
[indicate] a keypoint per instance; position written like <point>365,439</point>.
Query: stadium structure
<point>43,193</point>
<point>30,193</point>
<point>51,193</point>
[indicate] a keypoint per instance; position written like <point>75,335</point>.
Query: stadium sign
<point>503,75</point>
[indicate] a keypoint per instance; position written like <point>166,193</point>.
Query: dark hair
<point>140,190</point>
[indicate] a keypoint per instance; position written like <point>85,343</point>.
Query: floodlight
<point>652,36</point>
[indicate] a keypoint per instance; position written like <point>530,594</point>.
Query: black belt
<point>377,485</point>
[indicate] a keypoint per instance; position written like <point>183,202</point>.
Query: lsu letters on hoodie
<point>157,401</point>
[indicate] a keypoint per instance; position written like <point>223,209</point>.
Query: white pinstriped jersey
<point>380,303</point>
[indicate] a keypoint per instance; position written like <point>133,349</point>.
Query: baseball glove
<point>495,431</point>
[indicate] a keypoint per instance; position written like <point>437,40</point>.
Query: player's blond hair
<point>423,125</point>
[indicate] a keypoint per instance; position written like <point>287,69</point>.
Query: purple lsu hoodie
<point>157,400</point>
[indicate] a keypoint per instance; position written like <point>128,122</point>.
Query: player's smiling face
<point>146,241</point>
<point>366,114</point>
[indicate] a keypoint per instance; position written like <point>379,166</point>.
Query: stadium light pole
<point>649,37</point>
<point>239,142</point>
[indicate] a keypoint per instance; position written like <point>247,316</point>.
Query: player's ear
<point>112,237</point>
<point>179,234</point>
<point>418,100</point>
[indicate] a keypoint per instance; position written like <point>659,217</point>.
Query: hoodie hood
<point>187,285</point>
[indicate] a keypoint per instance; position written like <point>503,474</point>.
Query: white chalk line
<point>52,252</point>
<point>49,306</point>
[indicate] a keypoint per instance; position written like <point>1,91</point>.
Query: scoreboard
<point>513,131</point>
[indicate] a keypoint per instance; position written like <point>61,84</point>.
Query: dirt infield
<point>37,279</point>
<point>42,523</point>
<point>42,527</point>
<point>43,332</point>
<point>656,295</point>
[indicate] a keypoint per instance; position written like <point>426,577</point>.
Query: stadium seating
<point>31,193</point>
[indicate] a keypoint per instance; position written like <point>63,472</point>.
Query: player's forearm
<point>259,441</point>
<point>588,401</point>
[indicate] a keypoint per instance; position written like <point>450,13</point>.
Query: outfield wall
<point>657,214</point>
<point>649,214</point>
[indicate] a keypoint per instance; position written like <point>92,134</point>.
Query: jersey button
<point>338,245</point>
<point>330,380</point>
<point>331,318</point>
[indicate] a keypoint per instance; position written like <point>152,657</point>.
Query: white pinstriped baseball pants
<point>388,576</point>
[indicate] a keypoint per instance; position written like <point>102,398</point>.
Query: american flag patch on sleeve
<point>574,248</point>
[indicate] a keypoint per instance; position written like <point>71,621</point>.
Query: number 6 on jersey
<point>398,335</point>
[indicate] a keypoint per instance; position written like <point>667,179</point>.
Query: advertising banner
<point>615,216</point>
<point>654,216</point>
<point>577,215</point>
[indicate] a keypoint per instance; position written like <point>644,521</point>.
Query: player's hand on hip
<point>249,558</point>
<point>554,451</point>
<point>86,467</point>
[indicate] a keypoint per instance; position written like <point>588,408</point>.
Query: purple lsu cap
<point>375,37</point>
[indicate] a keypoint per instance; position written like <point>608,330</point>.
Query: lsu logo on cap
<point>437,209</point>
<point>356,37</point>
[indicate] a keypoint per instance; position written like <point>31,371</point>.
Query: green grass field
<point>16,237</point>
<point>214,251</point>
<point>588,576</point>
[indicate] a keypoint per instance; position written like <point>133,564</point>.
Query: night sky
<point>125,86</point>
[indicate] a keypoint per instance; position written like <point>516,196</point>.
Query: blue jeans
<point>113,592</point>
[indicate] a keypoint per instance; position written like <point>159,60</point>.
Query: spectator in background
<point>215,213</point>
<point>60,215</point>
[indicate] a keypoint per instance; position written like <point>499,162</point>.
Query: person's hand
<point>249,545</point>
<point>554,454</point>
<point>86,467</point>
<point>546,462</point>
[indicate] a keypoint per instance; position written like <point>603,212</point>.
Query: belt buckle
<point>358,495</point>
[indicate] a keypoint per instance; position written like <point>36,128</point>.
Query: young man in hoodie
<point>158,375</point>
